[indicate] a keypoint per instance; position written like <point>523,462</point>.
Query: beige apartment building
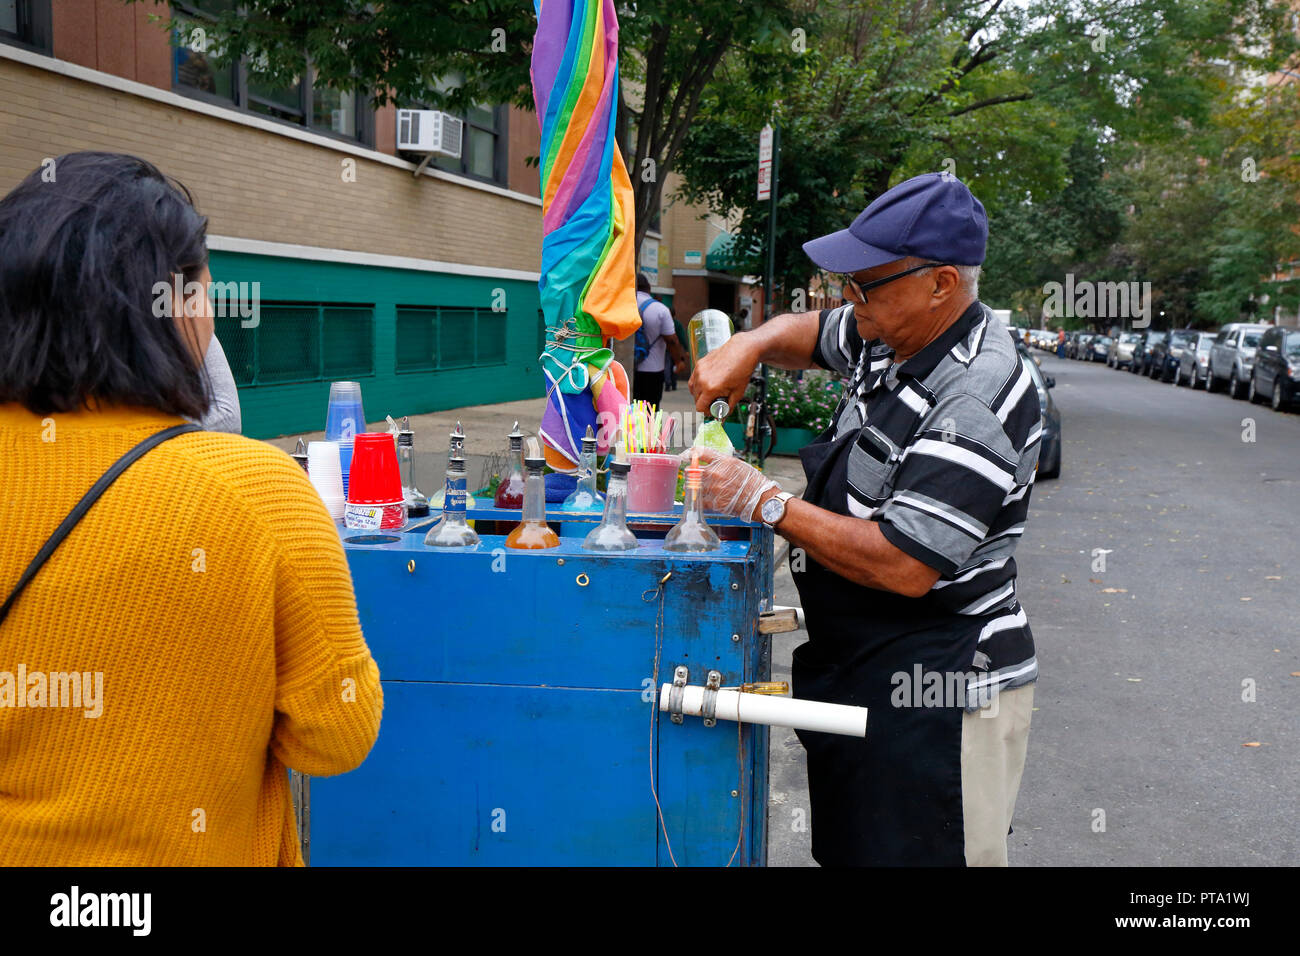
<point>423,287</point>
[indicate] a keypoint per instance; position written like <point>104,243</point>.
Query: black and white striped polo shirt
<point>945,456</point>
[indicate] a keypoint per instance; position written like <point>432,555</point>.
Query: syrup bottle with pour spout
<point>612,534</point>
<point>452,530</point>
<point>585,497</point>
<point>534,533</point>
<point>692,533</point>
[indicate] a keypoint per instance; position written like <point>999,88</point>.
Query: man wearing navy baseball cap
<point>902,546</point>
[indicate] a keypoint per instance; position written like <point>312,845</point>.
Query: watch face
<point>773,508</point>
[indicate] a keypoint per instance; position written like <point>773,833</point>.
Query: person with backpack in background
<point>655,337</point>
<point>670,368</point>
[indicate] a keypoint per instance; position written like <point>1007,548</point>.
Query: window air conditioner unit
<point>430,131</point>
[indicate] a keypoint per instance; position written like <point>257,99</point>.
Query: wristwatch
<point>773,509</point>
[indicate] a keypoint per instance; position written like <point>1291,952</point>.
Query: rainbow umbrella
<point>587,285</point>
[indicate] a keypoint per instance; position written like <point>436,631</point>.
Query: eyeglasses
<point>861,289</point>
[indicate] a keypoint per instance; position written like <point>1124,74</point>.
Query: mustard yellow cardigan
<point>194,635</point>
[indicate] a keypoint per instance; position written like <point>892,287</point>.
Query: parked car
<point>1049,452</point>
<point>1150,340</point>
<point>1121,349</point>
<point>1083,345</point>
<point>1276,371</point>
<point>1139,353</point>
<point>1232,356</point>
<point>1165,355</point>
<point>1194,361</point>
<point>1099,348</point>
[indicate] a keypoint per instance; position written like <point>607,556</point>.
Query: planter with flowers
<point>800,409</point>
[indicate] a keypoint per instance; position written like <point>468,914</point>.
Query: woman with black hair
<point>195,633</point>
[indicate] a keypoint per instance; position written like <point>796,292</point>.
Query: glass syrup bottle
<point>585,497</point>
<point>534,533</point>
<point>707,332</point>
<point>417,505</point>
<point>691,533</point>
<point>612,533</point>
<point>452,530</point>
<point>510,492</point>
<point>457,450</point>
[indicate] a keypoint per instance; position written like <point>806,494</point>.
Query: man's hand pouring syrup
<point>730,485</point>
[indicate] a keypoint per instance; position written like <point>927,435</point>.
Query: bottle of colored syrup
<point>692,533</point>
<point>533,533</point>
<point>510,493</point>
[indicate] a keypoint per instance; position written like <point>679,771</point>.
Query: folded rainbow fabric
<point>587,276</point>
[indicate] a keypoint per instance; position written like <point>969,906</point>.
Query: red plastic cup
<point>375,478</point>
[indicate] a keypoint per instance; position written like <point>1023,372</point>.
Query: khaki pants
<point>993,744</point>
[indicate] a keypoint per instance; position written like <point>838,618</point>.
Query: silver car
<point>1121,350</point>
<point>1195,361</point>
<point>1232,357</point>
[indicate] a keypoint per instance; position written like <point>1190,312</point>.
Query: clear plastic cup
<point>323,459</point>
<point>345,418</point>
<point>652,483</point>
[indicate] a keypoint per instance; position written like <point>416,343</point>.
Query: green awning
<point>723,257</point>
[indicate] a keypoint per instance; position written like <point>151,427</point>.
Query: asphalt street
<point>1167,713</point>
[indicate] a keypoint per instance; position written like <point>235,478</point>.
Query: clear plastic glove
<point>730,486</point>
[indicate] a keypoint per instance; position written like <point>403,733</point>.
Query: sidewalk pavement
<point>486,428</point>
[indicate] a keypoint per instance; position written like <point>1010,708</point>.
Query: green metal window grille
<point>300,342</point>
<point>417,340</point>
<point>433,338</point>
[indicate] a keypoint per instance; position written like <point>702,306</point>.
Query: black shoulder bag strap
<point>82,506</point>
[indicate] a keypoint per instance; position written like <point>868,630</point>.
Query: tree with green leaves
<point>1032,105</point>
<point>404,51</point>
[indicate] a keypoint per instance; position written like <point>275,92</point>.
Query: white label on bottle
<point>363,517</point>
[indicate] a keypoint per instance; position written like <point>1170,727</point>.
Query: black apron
<point>893,798</point>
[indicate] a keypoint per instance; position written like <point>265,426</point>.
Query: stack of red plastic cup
<point>375,487</point>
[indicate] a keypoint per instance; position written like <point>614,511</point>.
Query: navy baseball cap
<point>932,216</point>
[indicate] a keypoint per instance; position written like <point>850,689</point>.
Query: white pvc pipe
<point>773,711</point>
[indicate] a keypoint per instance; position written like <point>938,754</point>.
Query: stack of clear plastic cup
<point>345,418</point>
<point>326,474</point>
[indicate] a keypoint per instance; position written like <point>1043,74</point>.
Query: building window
<point>287,103</point>
<point>195,72</point>
<point>26,23</point>
<point>338,112</point>
<point>483,147</point>
<point>300,342</point>
<point>434,338</point>
<point>194,52</point>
